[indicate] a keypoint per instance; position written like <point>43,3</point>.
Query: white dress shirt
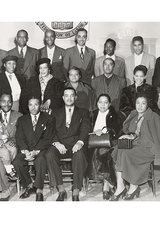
<point>112,57</point>
<point>100,121</point>
<point>79,49</point>
<point>24,50</point>
<point>138,59</point>
<point>14,84</point>
<point>7,116</point>
<point>50,53</point>
<point>33,117</point>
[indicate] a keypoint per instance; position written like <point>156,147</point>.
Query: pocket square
<point>60,57</point>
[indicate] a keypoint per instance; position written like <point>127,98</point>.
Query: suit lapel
<point>87,57</point>
<point>56,55</point>
<point>143,62</point>
<point>74,121</point>
<point>76,55</point>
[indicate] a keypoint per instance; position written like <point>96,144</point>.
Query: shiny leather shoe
<point>28,192</point>
<point>131,196</point>
<point>62,195</point>
<point>75,198</point>
<point>39,197</point>
<point>116,197</point>
<point>106,195</point>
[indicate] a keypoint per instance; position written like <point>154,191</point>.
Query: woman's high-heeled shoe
<point>131,196</point>
<point>116,197</point>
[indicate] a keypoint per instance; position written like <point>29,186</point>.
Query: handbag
<point>125,144</point>
<point>99,141</point>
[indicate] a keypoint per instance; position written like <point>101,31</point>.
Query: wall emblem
<point>63,30</point>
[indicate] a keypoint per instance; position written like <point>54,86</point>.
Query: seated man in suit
<point>33,136</point>
<point>72,128</point>
<point>108,83</point>
<point>80,56</point>
<point>139,57</point>
<point>109,52</point>
<point>8,121</point>
<point>54,53</point>
<point>27,56</point>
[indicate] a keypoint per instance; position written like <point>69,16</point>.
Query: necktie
<point>21,53</point>
<point>81,54</point>
<point>68,119</point>
<point>34,122</point>
<point>5,119</point>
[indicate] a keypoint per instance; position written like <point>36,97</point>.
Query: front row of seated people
<point>45,139</point>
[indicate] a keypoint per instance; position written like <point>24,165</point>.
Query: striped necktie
<point>82,55</point>
<point>34,122</point>
<point>21,53</point>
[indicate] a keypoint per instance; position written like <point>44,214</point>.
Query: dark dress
<point>54,91</point>
<point>128,96</point>
<point>101,166</point>
<point>135,163</point>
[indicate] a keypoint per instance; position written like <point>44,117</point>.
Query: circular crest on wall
<point>63,30</point>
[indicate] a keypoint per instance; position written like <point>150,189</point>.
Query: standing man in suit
<point>33,136</point>
<point>72,128</point>
<point>80,56</point>
<point>8,121</point>
<point>10,81</point>
<point>139,57</point>
<point>3,54</point>
<point>108,83</point>
<point>54,53</point>
<point>109,52</point>
<point>27,56</point>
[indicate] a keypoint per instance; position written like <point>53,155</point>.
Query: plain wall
<point>98,32</point>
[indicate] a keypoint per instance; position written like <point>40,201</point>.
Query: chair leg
<point>18,186</point>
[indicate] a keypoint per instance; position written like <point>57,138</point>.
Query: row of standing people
<point>82,57</point>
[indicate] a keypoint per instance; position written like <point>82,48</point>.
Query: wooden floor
<point>94,192</point>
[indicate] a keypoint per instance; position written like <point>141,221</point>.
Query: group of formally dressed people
<point>51,99</point>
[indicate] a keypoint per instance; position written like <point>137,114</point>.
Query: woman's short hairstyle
<point>140,68</point>
<point>104,95</point>
<point>77,69</point>
<point>144,95</point>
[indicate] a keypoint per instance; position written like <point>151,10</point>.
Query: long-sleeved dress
<point>135,163</point>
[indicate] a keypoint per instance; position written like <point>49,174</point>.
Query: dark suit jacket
<point>31,57</point>
<point>79,127</point>
<point>114,89</point>
<point>72,58</point>
<point>5,86</point>
<point>11,125</point>
<point>57,61</point>
<point>53,91</point>
<point>28,139</point>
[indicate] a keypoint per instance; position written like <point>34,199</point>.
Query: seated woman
<point>106,117</point>
<point>133,165</point>
<point>127,100</point>
<point>4,185</point>
<point>45,87</point>
<point>84,91</point>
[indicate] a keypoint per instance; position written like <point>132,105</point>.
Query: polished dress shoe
<point>106,195</point>
<point>131,196</point>
<point>75,198</point>
<point>62,195</point>
<point>28,192</point>
<point>39,196</point>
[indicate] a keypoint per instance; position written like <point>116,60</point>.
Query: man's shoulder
<point>59,48</point>
<point>100,58</point>
<point>90,49</point>
<point>129,58</point>
<point>149,56</point>
<point>71,49</point>
<point>12,50</point>
<point>16,113</point>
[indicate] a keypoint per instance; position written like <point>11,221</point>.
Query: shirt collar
<point>112,57</point>
<point>79,48</point>
<point>8,113</point>
<point>51,49</point>
<point>24,48</point>
<point>109,76</point>
<point>37,115</point>
<point>9,73</point>
<point>136,56</point>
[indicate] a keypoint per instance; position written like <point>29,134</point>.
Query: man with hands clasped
<point>33,136</point>
<point>72,128</point>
